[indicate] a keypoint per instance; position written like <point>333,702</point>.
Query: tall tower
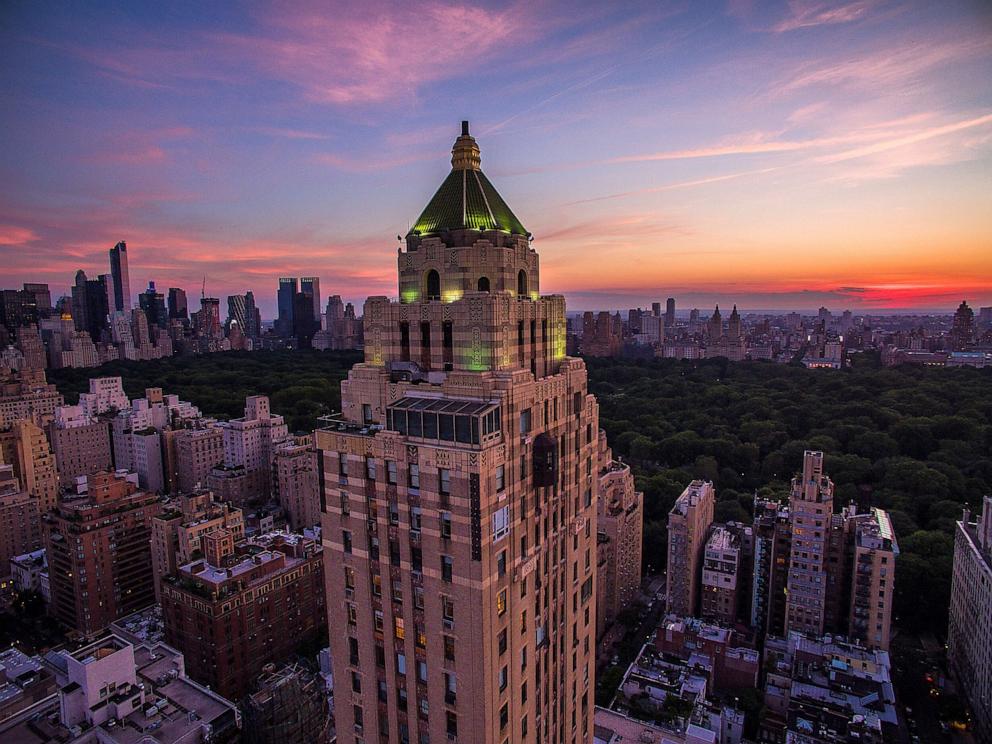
<point>118,272</point>
<point>811,507</point>
<point>458,489</point>
<point>688,524</point>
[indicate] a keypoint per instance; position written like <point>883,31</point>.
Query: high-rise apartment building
<point>250,444</point>
<point>198,450</point>
<point>81,444</point>
<point>99,552</point>
<point>35,464</point>
<point>811,506</point>
<point>969,632</point>
<point>106,395</point>
<point>670,313</point>
<point>20,523</point>
<point>231,614</point>
<point>772,531</point>
<point>296,482</point>
<point>459,488</point>
<point>620,515</point>
<point>722,577</point>
<point>178,529</point>
<point>688,523</point>
<point>26,394</point>
<point>119,276</point>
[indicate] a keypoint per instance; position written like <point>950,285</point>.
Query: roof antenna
<point>203,290</point>
<point>464,128</point>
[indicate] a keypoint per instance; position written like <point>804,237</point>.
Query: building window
<point>501,523</point>
<point>446,565</point>
<point>504,716</point>
<point>399,627</point>
<point>501,564</point>
<point>525,421</point>
<point>370,467</point>
<point>501,679</point>
<point>501,641</point>
<point>449,648</point>
<point>346,539</point>
<point>500,478</point>
<point>414,476</point>
<point>391,472</point>
<point>342,464</point>
<point>446,525</point>
<point>501,602</point>
<point>415,518</point>
<point>445,481</point>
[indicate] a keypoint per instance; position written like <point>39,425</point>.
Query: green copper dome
<point>466,198</point>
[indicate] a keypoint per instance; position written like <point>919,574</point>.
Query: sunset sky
<point>776,155</point>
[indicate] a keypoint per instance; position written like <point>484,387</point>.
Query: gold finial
<point>465,154</point>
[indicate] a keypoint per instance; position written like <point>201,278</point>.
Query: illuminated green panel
<point>467,199</point>
<point>409,295</point>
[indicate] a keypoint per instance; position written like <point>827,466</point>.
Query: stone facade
<point>688,523</point>
<point>620,513</point>
<point>458,489</point>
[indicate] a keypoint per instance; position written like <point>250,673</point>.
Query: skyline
<point>778,158</point>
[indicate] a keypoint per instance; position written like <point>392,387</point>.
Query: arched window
<point>433,285</point>
<point>483,283</point>
<point>522,283</point>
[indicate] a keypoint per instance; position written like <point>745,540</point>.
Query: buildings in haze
<point>458,488</point>
<point>98,543</point>
<point>969,631</point>
<point>688,523</point>
<point>235,610</point>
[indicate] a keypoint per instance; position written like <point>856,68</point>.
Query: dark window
<point>434,285</point>
<point>483,284</point>
<point>522,283</point>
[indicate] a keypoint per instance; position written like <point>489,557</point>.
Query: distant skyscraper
<point>119,274</point>
<point>178,308</point>
<point>734,324</point>
<point>715,325</point>
<point>310,286</point>
<point>153,304</point>
<point>287,291</point>
<point>670,312</point>
<point>963,330</point>
<point>89,305</point>
<point>656,309</point>
<point>253,320</point>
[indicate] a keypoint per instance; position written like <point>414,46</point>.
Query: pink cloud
<point>805,14</point>
<point>14,235</point>
<point>373,53</point>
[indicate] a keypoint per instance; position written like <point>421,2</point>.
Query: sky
<point>773,155</point>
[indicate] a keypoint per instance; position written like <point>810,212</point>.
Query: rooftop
<point>466,199</point>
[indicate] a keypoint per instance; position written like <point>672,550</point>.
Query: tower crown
<point>466,200</point>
